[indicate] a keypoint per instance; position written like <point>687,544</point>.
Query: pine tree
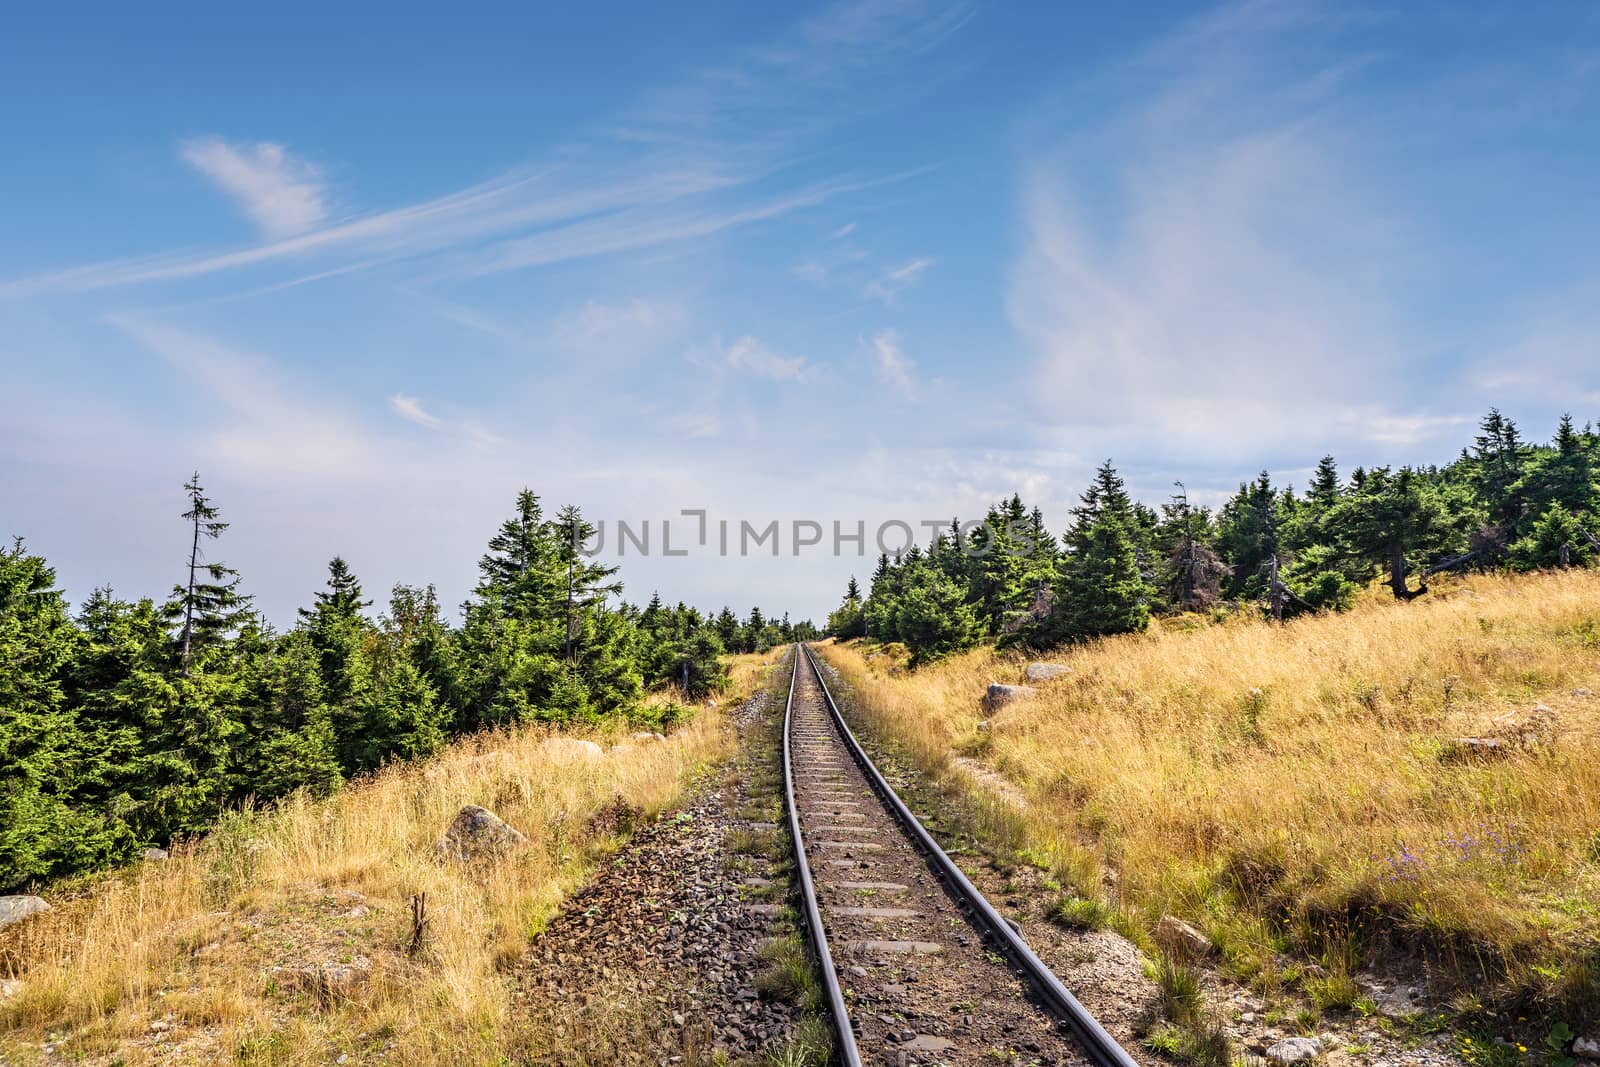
<point>1390,521</point>
<point>932,616</point>
<point>523,567</point>
<point>1500,456</point>
<point>42,746</point>
<point>1101,589</point>
<point>1556,540</point>
<point>342,600</point>
<point>1564,476</point>
<point>210,605</point>
<point>848,620</point>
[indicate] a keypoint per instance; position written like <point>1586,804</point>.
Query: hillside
<point>287,936</point>
<point>1404,792</point>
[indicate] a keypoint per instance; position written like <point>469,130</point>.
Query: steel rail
<point>845,1038</point>
<point>1101,1046</point>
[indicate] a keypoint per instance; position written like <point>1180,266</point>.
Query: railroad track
<point>918,967</point>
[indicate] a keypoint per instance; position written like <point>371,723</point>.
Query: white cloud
<point>893,366</point>
<point>750,356</point>
<point>843,231</point>
<point>283,195</point>
<point>895,281</point>
<point>411,409</point>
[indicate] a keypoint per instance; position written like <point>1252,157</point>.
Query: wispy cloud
<point>410,408</point>
<point>261,425</point>
<point>895,281</point>
<point>283,195</point>
<point>892,364</point>
<point>843,231</point>
<point>1235,253</point>
<point>619,331</point>
<point>680,169</point>
<point>749,356</point>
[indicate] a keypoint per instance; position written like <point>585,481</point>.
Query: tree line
<point>1502,503</point>
<point>131,723</point>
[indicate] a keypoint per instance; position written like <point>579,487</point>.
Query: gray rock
<point>9,987</point>
<point>1000,696</point>
<point>15,909</point>
<point>476,833</point>
<point>1588,1047</point>
<point>1181,939</point>
<point>1294,1050</point>
<point>1043,672</point>
<point>646,735</point>
<point>154,855</point>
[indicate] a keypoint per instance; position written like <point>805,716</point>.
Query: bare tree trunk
<point>1397,579</point>
<point>188,600</point>
<point>566,651</point>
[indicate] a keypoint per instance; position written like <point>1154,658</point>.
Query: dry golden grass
<point>191,945</point>
<point>1299,790</point>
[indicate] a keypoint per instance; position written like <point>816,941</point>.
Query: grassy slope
<point>190,944</point>
<point>1297,792</point>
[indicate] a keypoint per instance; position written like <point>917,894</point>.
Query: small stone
<point>15,909</point>
<point>154,855</point>
<point>9,987</point>
<point>160,1026</point>
<point>1043,672</point>
<point>1588,1047</point>
<point>677,1018</point>
<point>858,970</point>
<point>647,736</point>
<point>1294,1050</point>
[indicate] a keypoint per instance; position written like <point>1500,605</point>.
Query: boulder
<point>477,833</point>
<point>571,748</point>
<point>647,735</point>
<point>154,855</point>
<point>1588,1047</point>
<point>1043,672</point>
<point>1000,696</point>
<point>15,909</point>
<point>1294,1050</point>
<point>1180,939</point>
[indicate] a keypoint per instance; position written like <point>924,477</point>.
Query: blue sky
<point>371,269</point>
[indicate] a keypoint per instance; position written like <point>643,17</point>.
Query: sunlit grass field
<point>1300,792</point>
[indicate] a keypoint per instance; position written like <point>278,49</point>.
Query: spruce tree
<point>209,605</point>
